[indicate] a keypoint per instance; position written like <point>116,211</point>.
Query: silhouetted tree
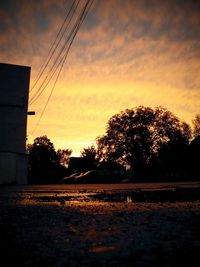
<point>193,152</point>
<point>89,156</point>
<point>135,137</point>
<point>64,156</point>
<point>193,159</point>
<point>196,123</point>
<point>43,161</point>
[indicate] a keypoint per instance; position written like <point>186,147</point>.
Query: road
<point>100,225</point>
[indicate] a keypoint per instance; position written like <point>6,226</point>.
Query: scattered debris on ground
<point>99,228</point>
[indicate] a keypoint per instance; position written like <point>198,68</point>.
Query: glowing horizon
<point>138,55</point>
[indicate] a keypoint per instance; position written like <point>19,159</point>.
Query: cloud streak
<point>127,53</point>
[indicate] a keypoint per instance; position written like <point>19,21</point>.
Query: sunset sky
<point>127,53</point>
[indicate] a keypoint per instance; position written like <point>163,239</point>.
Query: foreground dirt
<point>95,233</point>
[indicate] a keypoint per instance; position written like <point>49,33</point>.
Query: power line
<point>76,27</point>
<point>54,67</point>
<point>82,17</point>
<point>52,51</point>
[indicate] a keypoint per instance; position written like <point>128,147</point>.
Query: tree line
<point>141,144</point>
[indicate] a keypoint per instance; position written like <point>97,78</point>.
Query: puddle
<point>170,195</point>
<point>101,249</point>
<point>102,196</point>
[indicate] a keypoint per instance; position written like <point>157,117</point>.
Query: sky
<point>127,53</point>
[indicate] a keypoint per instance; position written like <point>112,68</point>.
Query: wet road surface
<point>100,225</point>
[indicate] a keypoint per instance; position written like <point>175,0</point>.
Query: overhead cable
<point>73,34</point>
<point>48,63</point>
<point>52,48</point>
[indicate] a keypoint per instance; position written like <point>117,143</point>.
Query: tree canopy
<point>42,152</point>
<point>142,143</point>
<point>45,164</point>
<point>135,137</point>
<point>89,156</point>
<point>64,156</point>
<point>196,123</point>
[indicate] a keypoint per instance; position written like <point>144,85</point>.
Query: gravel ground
<point>95,233</point>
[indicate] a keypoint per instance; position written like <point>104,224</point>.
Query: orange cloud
<point>127,53</point>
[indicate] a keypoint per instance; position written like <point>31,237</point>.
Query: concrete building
<point>14,90</point>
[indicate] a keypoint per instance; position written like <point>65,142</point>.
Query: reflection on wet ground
<point>158,192</point>
<point>100,225</point>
